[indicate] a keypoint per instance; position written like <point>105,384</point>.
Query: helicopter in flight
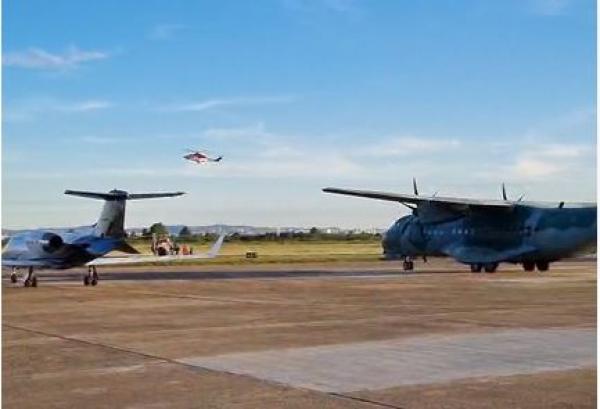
<point>199,157</point>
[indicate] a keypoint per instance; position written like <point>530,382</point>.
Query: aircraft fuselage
<point>499,236</point>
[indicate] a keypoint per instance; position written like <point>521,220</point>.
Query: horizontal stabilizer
<point>120,195</point>
<point>134,196</point>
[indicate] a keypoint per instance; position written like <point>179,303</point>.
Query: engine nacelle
<point>51,242</point>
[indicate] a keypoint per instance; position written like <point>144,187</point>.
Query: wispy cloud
<point>84,106</point>
<point>28,109</point>
<point>99,140</point>
<point>339,6</point>
<point>37,58</point>
<point>254,132</point>
<point>541,160</point>
<point>550,7</point>
<point>209,104</point>
<point>410,145</point>
<point>165,31</point>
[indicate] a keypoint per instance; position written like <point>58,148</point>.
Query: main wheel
<point>406,265</point>
<point>476,268</point>
<point>528,265</point>
<point>542,265</point>
<point>86,280</point>
<point>490,267</point>
<point>27,282</point>
<point>13,278</point>
<point>34,282</point>
<point>94,281</point>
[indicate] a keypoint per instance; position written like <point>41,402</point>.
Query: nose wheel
<point>476,268</point>
<point>487,267</point>
<point>91,277</point>
<point>408,265</point>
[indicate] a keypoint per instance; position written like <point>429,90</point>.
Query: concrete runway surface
<point>351,335</point>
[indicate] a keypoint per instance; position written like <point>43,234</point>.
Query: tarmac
<point>345,335</point>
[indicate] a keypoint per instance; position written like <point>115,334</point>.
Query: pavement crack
<point>365,400</point>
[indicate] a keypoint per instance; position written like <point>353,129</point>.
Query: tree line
<point>314,234</point>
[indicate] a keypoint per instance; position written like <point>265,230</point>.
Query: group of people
<point>165,246</point>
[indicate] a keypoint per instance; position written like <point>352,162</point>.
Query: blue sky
<point>297,95</point>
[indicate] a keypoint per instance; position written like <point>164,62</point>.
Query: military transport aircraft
<point>484,233</point>
<point>62,249</point>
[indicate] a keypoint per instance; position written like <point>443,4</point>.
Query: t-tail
<point>112,218</point>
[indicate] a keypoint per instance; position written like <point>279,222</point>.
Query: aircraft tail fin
<point>112,218</point>
<point>214,250</point>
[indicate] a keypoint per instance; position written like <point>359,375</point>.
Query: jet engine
<point>51,242</point>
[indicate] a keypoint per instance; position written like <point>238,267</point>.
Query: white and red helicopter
<point>200,157</point>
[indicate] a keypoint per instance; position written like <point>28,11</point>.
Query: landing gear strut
<point>31,279</point>
<point>490,267</point>
<point>528,265</point>
<point>91,277</point>
<point>13,275</point>
<point>487,267</point>
<point>476,268</point>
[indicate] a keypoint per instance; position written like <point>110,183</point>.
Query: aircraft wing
<point>107,261</point>
<point>453,203</point>
<point>23,263</point>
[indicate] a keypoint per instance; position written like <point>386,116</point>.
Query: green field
<point>282,251</point>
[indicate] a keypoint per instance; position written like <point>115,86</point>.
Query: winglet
<point>504,197</point>
<point>415,190</point>
<point>214,250</point>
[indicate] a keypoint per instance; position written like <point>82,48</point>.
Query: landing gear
<point>490,267</point>
<point>91,277</point>
<point>94,276</point>
<point>31,279</point>
<point>408,264</point>
<point>13,275</point>
<point>542,265</point>
<point>528,265</point>
<point>476,268</point>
